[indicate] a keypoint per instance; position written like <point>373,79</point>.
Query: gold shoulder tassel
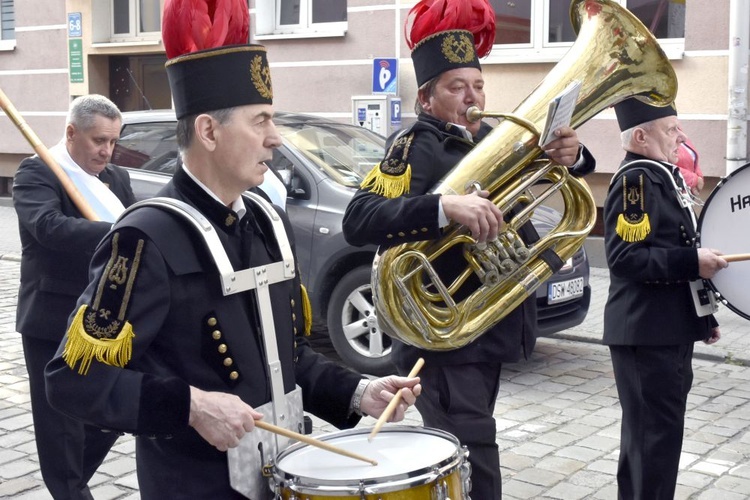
<point>306,309</point>
<point>84,348</point>
<point>390,186</point>
<point>633,232</point>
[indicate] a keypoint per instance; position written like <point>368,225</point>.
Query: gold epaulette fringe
<point>306,309</point>
<point>390,186</point>
<point>82,347</point>
<point>633,232</point>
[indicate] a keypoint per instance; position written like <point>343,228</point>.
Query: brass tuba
<point>614,57</point>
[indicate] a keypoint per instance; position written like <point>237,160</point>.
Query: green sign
<point>75,54</point>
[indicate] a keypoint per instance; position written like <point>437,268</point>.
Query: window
<point>135,18</point>
<point>541,29</point>
<point>302,17</point>
<point>7,25</point>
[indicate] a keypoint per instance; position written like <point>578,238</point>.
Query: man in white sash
<point>57,246</point>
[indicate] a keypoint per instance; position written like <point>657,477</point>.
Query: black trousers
<point>69,451</point>
<point>653,383</point>
<point>460,399</point>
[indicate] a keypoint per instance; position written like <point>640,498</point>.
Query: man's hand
<point>379,393</point>
<point>476,212</point>
<point>710,262</point>
<point>714,337</point>
<point>220,418</point>
<point>698,186</point>
<point>564,149</point>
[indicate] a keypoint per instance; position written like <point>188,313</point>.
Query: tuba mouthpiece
<point>473,114</point>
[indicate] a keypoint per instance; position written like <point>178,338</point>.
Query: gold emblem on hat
<point>458,49</point>
<point>261,76</point>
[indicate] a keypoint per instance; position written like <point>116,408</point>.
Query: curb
<point>697,353</point>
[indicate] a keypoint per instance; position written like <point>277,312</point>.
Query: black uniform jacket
<point>649,300</point>
<point>434,148</point>
<point>57,245</point>
<point>186,333</point>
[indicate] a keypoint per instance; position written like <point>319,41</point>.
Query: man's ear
<point>639,135</point>
<point>205,131</point>
<point>424,99</point>
<point>70,131</point>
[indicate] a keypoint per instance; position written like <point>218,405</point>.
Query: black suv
<point>322,163</point>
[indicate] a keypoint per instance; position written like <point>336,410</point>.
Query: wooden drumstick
<point>312,441</point>
<point>737,257</point>
<point>394,402</point>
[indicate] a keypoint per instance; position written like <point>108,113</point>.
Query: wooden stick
<point>394,402</point>
<point>80,202</point>
<point>311,441</point>
<point>737,257</point>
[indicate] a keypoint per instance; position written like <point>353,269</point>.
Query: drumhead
<point>399,451</point>
<point>724,224</point>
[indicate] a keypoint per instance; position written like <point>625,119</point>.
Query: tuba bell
<point>614,57</point>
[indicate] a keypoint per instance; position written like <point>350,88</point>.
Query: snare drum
<point>414,463</point>
<point>725,225</point>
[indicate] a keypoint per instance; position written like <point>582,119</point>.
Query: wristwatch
<point>356,403</point>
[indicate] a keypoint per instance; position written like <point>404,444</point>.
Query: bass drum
<point>724,224</point>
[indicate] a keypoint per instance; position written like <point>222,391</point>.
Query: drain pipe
<point>739,33</point>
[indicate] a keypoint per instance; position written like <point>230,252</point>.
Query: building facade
<point>332,57</point>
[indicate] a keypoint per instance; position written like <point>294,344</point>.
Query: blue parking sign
<point>395,113</point>
<point>384,76</point>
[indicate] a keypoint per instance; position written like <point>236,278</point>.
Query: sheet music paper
<point>560,112</point>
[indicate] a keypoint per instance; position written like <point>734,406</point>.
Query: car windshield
<point>344,152</point>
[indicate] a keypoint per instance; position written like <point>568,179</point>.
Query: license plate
<point>564,290</point>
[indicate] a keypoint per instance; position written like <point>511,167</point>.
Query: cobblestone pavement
<point>558,416</point>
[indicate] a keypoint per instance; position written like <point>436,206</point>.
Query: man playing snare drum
<point>155,348</point>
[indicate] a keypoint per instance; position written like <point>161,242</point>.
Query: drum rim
<point>706,204</point>
<point>372,486</point>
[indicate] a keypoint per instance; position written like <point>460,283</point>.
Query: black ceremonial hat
<point>448,34</point>
<point>442,52</point>
<point>210,65</point>
<point>632,112</point>
<point>219,78</point>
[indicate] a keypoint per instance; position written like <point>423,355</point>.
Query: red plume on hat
<point>191,25</point>
<point>432,16</point>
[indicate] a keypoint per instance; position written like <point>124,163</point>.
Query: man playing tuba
<point>393,207</point>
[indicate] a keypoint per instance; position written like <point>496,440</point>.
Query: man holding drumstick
<point>650,323</point>
<point>155,347</point>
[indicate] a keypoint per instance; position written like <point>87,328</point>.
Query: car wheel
<point>353,327</point>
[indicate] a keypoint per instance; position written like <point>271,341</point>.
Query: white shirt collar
<point>464,131</point>
<point>238,206</point>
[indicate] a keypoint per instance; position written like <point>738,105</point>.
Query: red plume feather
<point>190,25</point>
<point>432,16</point>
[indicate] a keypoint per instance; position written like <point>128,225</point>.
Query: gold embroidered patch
<point>100,330</point>
<point>392,176</point>
<point>458,49</point>
<point>633,223</point>
<point>261,77</point>
<point>229,220</point>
